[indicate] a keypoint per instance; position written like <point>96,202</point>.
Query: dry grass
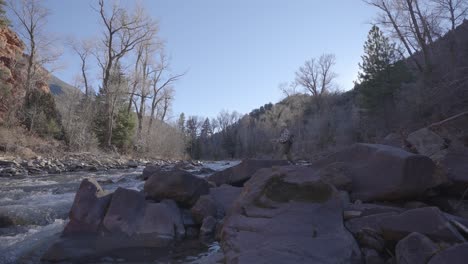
<point>16,141</point>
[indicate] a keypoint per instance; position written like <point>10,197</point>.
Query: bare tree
<point>454,11</point>
<point>317,76</point>
<point>168,96</point>
<point>288,89</point>
<point>159,82</point>
<point>141,85</point>
<point>31,18</point>
<point>413,24</point>
<point>83,48</point>
<point>122,33</point>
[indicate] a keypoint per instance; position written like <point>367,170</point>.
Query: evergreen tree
<point>381,73</point>
<point>206,130</point>
<point>124,129</point>
<point>379,55</point>
<point>193,144</point>
<point>39,114</point>
<point>181,123</point>
<point>109,102</point>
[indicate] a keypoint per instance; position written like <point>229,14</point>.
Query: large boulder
<point>204,207</point>
<point>455,255</point>
<point>149,170</point>
<point>380,172</point>
<point>287,215</point>
<point>215,204</point>
<point>177,185</point>
<point>429,221</point>
<point>129,223</point>
<point>393,226</point>
<point>455,165</point>
<point>224,197</point>
<point>416,249</point>
<point>126,209</point>
<point>160,220</point>
<point>240,173</point>
<point>88,209</point>
<point>426,142</point>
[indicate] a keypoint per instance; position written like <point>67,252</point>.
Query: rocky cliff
<point>13,67</point>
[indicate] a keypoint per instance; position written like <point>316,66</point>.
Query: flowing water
<point>34,210</point>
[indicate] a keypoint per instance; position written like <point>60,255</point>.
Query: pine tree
<point>381,72</point>
<point>181,123</point>
<point>124,129</point>
<point>379,55</point>
<point>206,130</point>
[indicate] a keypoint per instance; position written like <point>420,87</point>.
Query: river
<point>34,211</point>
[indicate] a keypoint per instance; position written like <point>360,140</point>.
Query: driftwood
<point>448,119</point>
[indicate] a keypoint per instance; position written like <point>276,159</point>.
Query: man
<point>286,140</point>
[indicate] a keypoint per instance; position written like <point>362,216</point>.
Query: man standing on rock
<point>286,140</point>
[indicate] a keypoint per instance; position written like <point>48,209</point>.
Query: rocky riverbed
<point>400,202</point>
<point>366,203</point>
<point>34,209</point>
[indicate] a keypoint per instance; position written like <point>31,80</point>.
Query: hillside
<point>341,119</point>
<point>59,87</point>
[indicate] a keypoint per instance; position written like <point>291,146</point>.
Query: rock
<point>132,164</point>
<point>205,170</point>
<point>224,197</point>
<point>426,142</point>
<point>337,174</point>
<point>287,215</point>
<point>351,214</point>
<point>5,221</point>
<point>455,165</point>
<point>240,173</point>
<point>192,232</point>
<point>414,205</point>
<point>372,209</point>
<point>428,221</point>
<point>367,231</point>
<point>415,248</point>
<point>149,170</point>
<point>157,221</point>
<point>384,173</point>
<point>455,255</point>
<point>178,185</point>
<point>345,198</point>
<point>372,257</point>
<point>394,140</point>
<point>177,218</point>
<point>161,220</point>
<point>187,218</point>
<point>208,227</point>
<point>88,209</point>
<point>204,207</point>
<point>126,208</point>
<point>369,238</point>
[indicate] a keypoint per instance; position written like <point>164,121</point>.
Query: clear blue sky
<point>236,52</point>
